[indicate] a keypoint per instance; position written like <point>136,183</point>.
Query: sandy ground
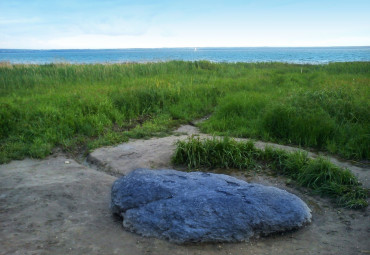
<point>60,206</point>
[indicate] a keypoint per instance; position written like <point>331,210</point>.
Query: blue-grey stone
<point>203,207</point>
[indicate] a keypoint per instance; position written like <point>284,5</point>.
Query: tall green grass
<point>216,153</point>
<point>81,107</point>
<point>319,174</point>
<point>321,109</point>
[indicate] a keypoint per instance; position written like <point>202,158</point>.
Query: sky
<point>107,24</point>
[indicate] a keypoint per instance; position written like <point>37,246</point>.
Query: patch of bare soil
<point>58,206</point>
<point>157,152</point>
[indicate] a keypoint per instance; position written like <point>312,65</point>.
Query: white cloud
<point>5,21</point>
<point>114,26</point>
<point>138,24</point>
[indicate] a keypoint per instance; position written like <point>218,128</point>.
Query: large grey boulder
<point>203,207</point>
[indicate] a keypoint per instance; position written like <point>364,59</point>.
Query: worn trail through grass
<point>157,153</point>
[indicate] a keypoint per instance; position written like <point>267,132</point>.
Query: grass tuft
<point>318,174</point>
<point>216,153</point>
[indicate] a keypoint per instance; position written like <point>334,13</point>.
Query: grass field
<point>81,107</point>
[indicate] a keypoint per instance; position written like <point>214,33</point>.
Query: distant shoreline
<point>61,63</point>
<point>159,48</point>
<point>295,55</point>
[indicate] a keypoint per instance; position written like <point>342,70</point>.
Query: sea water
<point>307,55</point>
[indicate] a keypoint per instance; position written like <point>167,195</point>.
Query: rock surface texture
<point>203,207</point>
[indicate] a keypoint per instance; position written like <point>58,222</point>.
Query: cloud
<point>114,26</point>
<point>168,23</point>
<point>5,21</point>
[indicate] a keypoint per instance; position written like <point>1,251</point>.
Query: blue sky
<point>90,24</point>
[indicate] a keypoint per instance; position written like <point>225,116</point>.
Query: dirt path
<point>58,206</point>
<point>157,152</point>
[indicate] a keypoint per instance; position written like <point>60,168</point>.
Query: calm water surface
<point>311,55</point>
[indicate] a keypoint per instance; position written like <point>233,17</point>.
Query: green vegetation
<point>81,107</point>
<point>319,174</point>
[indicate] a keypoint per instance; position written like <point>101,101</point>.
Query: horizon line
<point>186,47</point>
